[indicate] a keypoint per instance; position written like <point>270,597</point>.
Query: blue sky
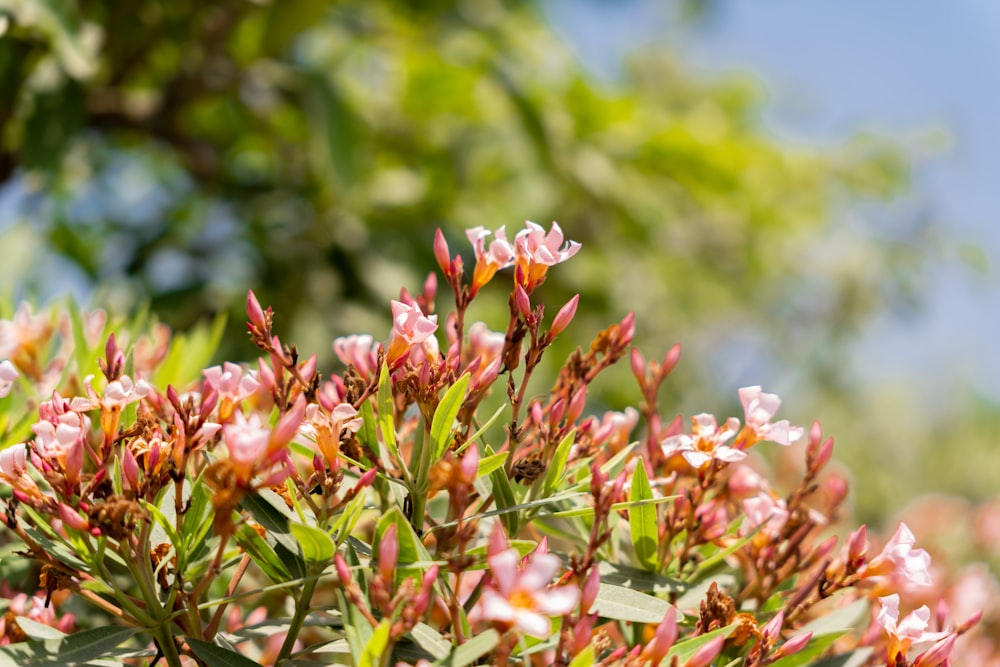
<point>835,67</point>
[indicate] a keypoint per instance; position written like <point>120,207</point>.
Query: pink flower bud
<point>670,360</point>
<point>308,369</point>
<point>583,634</point>
<point>706,654</point>
<point>254,312</point>
<point>626,330</point>
<point>343,572</point>
<point>388,554</point>
<point>856,545</point>
<point>638,366</point>
<point>824,549</point>
<point>469,466</point>
<point>793,645</point>
<point>522,302</point>
<point>663,640</point>
<point>589,591</point>
<point>130,468</point>
<point>365,480</point>
<point>576,404</point>
<point>564,316</point>
<point>430,287</point>
<point>72,518</point>
<point>423,599</point>
<point>772,628</point>
<point>287,426</point>
<point>441,253</point>
<point>557,411</point>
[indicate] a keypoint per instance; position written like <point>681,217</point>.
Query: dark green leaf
<point>216,656</point>
<point>75,649</point>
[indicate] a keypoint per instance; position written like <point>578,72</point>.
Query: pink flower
<point>233,385</point>
<point>900,559</point>
<point>763,509</point>
<point>357,351</point>
<point>615,428</point>
<point>536,251</point>
<point>14,471</point>
<point>759,408</point>
<point>519,595</point>
<point>7,376</point>
<point>489,260</point>
<point>410,327</point>
<point>902,633</point>
<point>705,443</point>
<point>256,449</point>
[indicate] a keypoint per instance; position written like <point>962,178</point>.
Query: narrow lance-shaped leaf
<point>444,416</point>
<point>642,519</point>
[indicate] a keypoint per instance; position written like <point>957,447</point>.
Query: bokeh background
<point>800,193</point>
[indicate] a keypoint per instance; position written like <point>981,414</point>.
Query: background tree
<point>181,152</point>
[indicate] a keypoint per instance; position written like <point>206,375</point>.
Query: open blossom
<point>359,351</point>
<point>903,633</point>
<point>254,448</point>
<point>900,560</point>
<point>410,327</point>
<point>233,385</point>
<point>519,595</point>
<point>489,259</point>
<point>759,408</point>
<point>705,443</point>
<point>327,428</point>
<point>536,251</point>
<point>36,608</point>
<point>14,472</point>
<point>763,509</point>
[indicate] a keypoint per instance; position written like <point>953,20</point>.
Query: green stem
<point>302,606</point>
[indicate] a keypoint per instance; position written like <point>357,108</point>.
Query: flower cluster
<point>423,505</point>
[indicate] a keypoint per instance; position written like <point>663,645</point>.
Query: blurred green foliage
<point>184,151</point>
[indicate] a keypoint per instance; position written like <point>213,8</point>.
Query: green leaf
<point>585,658</point>
<point>385,410</point>
<point>469,652</point>
<point>855,658</point>
<point>503,496</point>
<point>638,580</point>
<point>642,519</point>
<point>216,656</point>
<point>75,649</point>
<point>316,546</point>
<point>557,466</point>
<point>624,604</point>
<point>490,463</point>
<point>430,640</point>
<point>368,433</point>
<point>262,554</point>
<point>444,416</point>
<point>376,646</point>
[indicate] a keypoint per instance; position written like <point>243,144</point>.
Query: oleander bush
<point>438,500</point>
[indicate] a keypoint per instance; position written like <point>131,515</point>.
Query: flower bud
<point>638,366</point>
<point>589,590</point>
<point>254,312</point>
<point>772,628</point>
<point>343,572</point>
<point>706,654</point>
<point>522,302</point>
<point>626,330</point>
<point>72,518</point>
<point>388,554</point>
<point>669,361</point>
<point>564,316</point>
<point>577,404</point>
<point>856,545</point>
<point>441,253</point>
<point>793,645</point>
